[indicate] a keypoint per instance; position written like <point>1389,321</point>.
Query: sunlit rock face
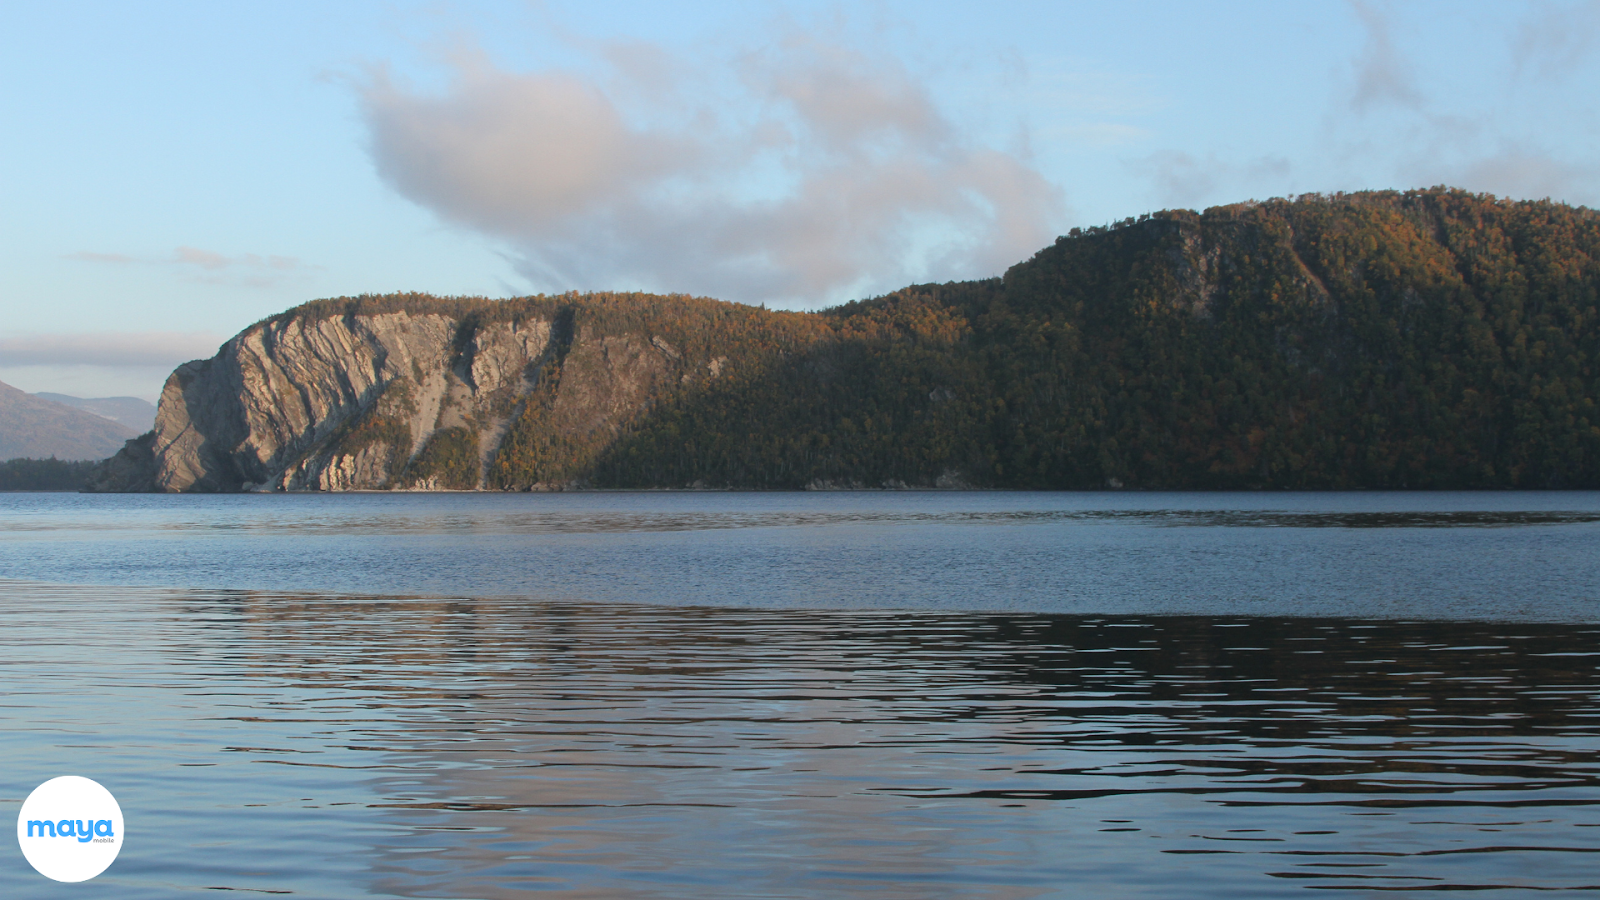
<point>406,399</point>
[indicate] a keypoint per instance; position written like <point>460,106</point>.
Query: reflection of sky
<point>486,748</point>
<point>1440,555</point>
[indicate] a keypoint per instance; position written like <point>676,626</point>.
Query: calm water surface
<point>886,695</point>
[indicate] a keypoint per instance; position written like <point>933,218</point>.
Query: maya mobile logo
<point>70,828</point>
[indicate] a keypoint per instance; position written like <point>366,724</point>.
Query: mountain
<point>37,428</point>
<point>1425,339</point>
<point>138,415</point>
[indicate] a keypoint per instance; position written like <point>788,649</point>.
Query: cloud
<point>248,269</point>
<point>1528,173</point>
<point>1185,180</point>
<point>249,262</point>
<point>820,172</point>
<point>117,259</point>
<point>1382,74</point>
<point>109,350</point>
<point>1491,142</point>
<point>1557,39</point>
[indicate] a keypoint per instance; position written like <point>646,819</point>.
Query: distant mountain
<point>137,414</point>
<point>37,428</point>
<point>1426,339</point>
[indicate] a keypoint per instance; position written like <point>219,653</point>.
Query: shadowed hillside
<point>1426,339</point>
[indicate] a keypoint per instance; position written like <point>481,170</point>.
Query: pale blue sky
<point>172,172</point>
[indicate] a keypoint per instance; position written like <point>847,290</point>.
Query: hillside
<point>132,413</point>
<point>37,428</point>
<point>1383,340</point>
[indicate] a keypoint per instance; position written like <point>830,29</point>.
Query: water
<point>661,695</point>
<point>1521,556</point>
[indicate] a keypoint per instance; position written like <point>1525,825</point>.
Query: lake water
<point>655,695</point>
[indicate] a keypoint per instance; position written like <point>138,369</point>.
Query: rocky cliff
<point>404,393</point>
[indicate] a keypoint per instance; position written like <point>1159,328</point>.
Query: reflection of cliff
<point>552,683</point>
<point>623,750</point>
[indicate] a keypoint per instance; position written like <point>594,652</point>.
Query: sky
<point>171,173</point>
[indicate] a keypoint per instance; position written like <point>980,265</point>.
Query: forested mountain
<point>1422,339</point>
<point>1425,339</point>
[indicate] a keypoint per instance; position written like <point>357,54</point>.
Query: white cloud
<point>823,173</point>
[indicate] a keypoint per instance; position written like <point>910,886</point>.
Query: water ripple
<point>406,747</point>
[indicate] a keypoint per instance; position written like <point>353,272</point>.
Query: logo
<point>70,828</point>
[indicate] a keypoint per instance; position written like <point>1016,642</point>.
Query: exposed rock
<point>397,400</point>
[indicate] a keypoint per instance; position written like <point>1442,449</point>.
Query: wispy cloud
<point>1185,179</point>
<point>108,349</point>
<point>205,259</point>
<point>826,172</point>
<point>1557,38</point>
<point>1515,170</point>
<point>1383,74</point>
<point>1471,147</point>
<point>116,259</point>
<point>248,269</point>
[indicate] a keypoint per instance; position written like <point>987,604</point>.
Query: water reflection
<point>1492,556</point>
<point>493,519</point>
<point>484,748</point>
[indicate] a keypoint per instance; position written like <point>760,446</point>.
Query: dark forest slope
<point>1425,339</point>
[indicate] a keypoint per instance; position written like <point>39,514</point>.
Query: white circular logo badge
<point>70,828</point>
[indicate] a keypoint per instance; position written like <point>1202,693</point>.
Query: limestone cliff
<point>379,394</point>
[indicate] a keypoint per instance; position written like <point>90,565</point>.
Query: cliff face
<point>411,400</point>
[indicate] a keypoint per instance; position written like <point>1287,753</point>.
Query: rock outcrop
<point>378,396</point>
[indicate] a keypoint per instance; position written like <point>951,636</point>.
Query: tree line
<point>23,474</point>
